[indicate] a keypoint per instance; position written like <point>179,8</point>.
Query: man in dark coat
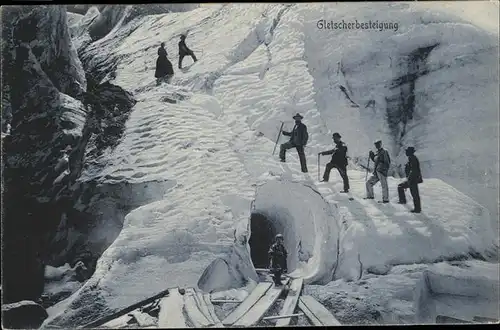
<point>298,139</point>
<point>277,259</point>
<point>382,162</point>
<point>164,69</point>
<point>184,50</point>
<point>339,161</point>
<point>413,178</point>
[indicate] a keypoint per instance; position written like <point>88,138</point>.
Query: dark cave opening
<point>261,238</point>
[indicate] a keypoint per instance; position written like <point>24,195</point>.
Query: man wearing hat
<point>277,259</point>
<point>184,50</point>
<point>339,161</point>
<point>413,178</point>
<point>382,161</point>
<point>298,139</point>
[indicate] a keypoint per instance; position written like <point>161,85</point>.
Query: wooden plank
<point>309,314</point>
<point>201,305</point>
<point>196,316</point>
<point>285,316</point>
<point>290,302</point>
<point>255,314</point>
<point>264,270</point>
<point>449,319</point>
<point>218,301</point>
<point>483,319</point>
<point>117,323</point>
<point>252,298</point>
<point>211,310</point>
<point>171,315</point>
<point>143,319</point>
<point>124,311</point>
<point>320,312</point>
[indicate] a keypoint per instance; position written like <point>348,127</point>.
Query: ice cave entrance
<point>261,237</point>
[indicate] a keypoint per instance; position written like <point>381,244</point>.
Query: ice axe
<point>367,167</point>
<point>279,134</point>
<point>319,154</point>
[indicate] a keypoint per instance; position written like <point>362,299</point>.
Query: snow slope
<point>210,134</point>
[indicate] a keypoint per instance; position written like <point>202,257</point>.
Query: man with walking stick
<point>381,161</point>
<point>298,139</point>
<point>339,161</point>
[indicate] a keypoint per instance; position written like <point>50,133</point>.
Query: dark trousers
<point>342,171</point>
<point>181,57</point>
<point>414,194</point>
<point>300,150</point>
<point>277,275</point>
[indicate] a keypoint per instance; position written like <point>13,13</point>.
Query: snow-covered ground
<point>209,137</point>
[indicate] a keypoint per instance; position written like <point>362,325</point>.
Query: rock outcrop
<point>43,76</point>
<point>57,125</point>
<point>23,315</point>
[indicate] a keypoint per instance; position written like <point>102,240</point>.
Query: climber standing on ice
<point>277,259</point>
<point>298,140</point>
<point>381,169</point>
<point>339,161</point>
<point>184,50</point>
<point>164,68</point>
<point>413,178</point>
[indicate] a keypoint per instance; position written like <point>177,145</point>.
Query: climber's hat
<point>298,116</point>
<point>410,150</point>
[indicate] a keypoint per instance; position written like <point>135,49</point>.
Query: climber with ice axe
<point>298,140</point>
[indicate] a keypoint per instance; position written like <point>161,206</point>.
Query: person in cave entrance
<point>277,259</point>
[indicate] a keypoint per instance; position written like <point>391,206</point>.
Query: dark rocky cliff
<point>57,125</point>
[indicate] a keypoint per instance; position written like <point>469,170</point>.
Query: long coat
<point>298,136</point>
<point>163,65</point>
<point>412,170</point>
<point>339,154</point>
<point>183,49</point>
<point>278,255</point>
<point>382,161</point>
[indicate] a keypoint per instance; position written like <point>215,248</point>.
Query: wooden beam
<point>211,310</point>
<point>483,319</point>
<point>449,319</point>
<point>267,318</point>
<point>309,314</point>
<point>320,312</point>
<point>248,303</point>
<point>124,311</point>
<point>225,301</point>
<point>194,312</point>
<point>291,301</point>
<point>171,315</point>
<point>255,314</point>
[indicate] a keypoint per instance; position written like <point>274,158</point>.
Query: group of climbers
<point>339,160</point>
<point>298,140</point>
<point>164,69</point>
